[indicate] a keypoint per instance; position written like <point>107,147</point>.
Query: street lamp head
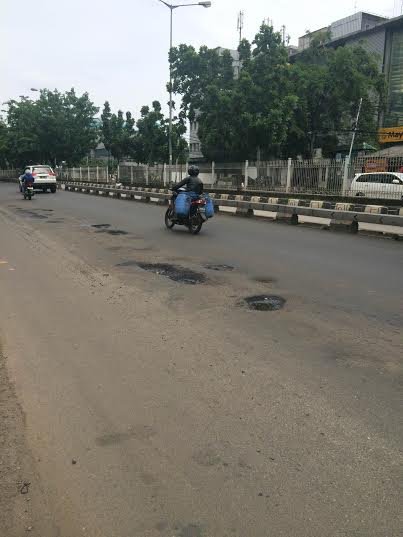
<point>205,4</point>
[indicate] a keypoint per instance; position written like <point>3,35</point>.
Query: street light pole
<point>171,8</point>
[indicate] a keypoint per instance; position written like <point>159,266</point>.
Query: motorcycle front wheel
<point>169,219</point>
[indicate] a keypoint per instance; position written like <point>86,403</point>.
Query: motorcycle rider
<point>193,183</point>
<point>27,177</point>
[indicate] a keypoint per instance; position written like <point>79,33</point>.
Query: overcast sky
<point>117,49</point>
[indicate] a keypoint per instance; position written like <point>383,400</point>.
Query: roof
<point>386,24</point>
<point>393,151</point>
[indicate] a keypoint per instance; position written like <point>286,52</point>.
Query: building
<point>195,152</point>
<point>384,38</point>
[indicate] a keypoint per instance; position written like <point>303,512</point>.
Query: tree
<point>329,84</point>
<point>118,134</point>
<point>4,145</point>
<point>151,142</point>
<point>57,127</point>
<point>238,116</point>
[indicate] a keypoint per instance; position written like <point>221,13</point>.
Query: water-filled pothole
<point>219,267</point>
<point>174,272</point>
<point>101,226</point>
<point>263,302</point>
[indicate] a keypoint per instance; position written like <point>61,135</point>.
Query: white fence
<point>316,176</point>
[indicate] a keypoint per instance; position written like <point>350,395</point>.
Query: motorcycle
<point>195,219</point>
<point>28,190</point>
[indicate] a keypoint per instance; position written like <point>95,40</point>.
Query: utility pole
<point>355,129</point>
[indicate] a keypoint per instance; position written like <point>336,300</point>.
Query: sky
<point>117,50</point>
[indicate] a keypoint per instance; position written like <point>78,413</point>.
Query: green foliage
<point>275,108</point>
<point>152,137</point>
<point>4,145</point>
<point>118,134</point>
<point>237,115</point>
<point>329,84</point>
<point>54,128</point>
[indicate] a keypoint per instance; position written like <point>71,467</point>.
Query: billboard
<point>389,135</point>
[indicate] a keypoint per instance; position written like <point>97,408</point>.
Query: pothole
<point>265,279</point>
<point>263,302</point>
<point>31,214</point>
<point>112,231</point>
<point>219,267</point>
<point>116,232</point>
<point>101,226</point>
<point>129,263</point>
<point>174,272</point>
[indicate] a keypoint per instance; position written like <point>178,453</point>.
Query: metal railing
<point>331,177</point>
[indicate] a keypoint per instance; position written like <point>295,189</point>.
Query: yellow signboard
<point>389,135</point>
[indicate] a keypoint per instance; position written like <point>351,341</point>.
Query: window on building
<point>394,114</point>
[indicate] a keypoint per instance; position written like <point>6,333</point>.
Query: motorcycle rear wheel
<point>195,225</point>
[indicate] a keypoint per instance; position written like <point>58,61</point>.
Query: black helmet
<point>193,171</point>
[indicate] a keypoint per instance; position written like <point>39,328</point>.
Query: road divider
<point>337,216</point>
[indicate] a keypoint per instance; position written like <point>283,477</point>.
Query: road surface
<point>146,407</point>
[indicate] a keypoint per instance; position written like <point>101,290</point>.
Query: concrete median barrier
<point>339,216</point>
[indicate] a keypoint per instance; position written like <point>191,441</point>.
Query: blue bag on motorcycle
<point>209,207</point>
<point>182,205</point>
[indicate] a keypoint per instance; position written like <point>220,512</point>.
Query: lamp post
<point>171,8</point>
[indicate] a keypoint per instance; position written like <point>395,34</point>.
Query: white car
<point>45,177</point>
<point>378,185</point>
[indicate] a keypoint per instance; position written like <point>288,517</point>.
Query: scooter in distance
<point>28,190</point>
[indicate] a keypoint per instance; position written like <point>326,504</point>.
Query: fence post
<point>213,173</point>
<point>81,177</point>
<point>289,173</point>
<point>88,174</point>
<point>131,175</point>
<point>246,174</point>
<point>118,173</point>
<point>97,174</point>
<point>147,171</point>
<point>345,176</point>
<point>164,174</point>
<point>107,174</point>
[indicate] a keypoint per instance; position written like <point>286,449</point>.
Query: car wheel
<point>53,189</point>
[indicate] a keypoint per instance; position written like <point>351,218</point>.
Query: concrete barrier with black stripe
<point>335,216</point>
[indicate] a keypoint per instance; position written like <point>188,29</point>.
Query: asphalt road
<point>154,408</point>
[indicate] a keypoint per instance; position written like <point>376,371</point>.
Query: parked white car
<point>45,177</point>
<point>387,185</point>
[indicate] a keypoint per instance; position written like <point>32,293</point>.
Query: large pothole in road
<point>219,267</point>
<point>101,226</point>
<point>174,272</point>
<point>31,214</point>
<point>112,231</point>
<point>263,302</point>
